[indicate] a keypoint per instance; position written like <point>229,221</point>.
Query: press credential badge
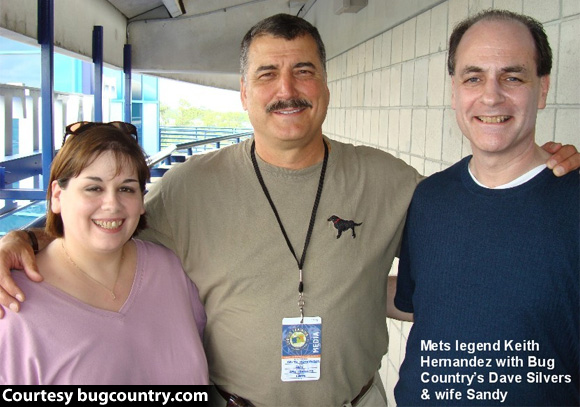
<point>301,349</point>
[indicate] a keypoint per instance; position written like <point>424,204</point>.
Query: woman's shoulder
<point>22,280</point>
<point>153,252</point>
<point>39,297</point>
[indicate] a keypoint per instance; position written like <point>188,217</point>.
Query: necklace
<point>87,275</point>
<point>300,262</point>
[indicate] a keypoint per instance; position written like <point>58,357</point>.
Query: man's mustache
<point>287,104</point>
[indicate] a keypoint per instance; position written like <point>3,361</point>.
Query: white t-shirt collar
<point>514,183</point>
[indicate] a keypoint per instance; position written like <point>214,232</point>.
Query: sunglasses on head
<point>80,127</point>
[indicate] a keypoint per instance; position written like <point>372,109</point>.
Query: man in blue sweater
<point>489,263</point>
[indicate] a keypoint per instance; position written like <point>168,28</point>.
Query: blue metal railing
<point>192,142</point>
<point>170,135</point>
<point>17,168</point>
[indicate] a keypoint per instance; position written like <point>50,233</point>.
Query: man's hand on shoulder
<point>15,253</point>
<point>564,159</point>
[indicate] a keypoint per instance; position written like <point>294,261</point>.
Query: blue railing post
<point>98,61</point>
<point>46,41</point>
<point>127,72</point>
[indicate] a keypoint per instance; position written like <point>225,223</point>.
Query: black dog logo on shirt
<point>343,225</point>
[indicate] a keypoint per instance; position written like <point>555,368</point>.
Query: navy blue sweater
<point>492,277</point>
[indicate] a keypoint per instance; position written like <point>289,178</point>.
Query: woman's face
<point>101,207</point>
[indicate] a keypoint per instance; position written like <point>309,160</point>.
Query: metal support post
<point>46,41</point>
<point>127,72</point>
<point>98,62</point>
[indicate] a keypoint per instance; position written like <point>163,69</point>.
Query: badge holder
<point>301,348</point>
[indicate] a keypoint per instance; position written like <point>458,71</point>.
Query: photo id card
<point>301,349</point>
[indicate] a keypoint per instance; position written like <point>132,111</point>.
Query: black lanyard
<point>312,218</point>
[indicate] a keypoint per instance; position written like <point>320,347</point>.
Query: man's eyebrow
<point>471,69</point>
<point>305,65</point>
<point>508,69</point>
<point>514,69</point>
<point>274,67</point>
<point>266,68</point>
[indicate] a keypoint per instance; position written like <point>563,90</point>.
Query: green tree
<point>187,115</point>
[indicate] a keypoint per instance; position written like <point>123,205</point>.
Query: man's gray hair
<point>284,26</point>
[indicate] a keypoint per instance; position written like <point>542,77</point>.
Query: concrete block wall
<point>393,92</point>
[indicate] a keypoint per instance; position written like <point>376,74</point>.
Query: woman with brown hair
<point>111,309</point>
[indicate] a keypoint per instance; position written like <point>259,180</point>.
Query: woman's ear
<point>55,205</point>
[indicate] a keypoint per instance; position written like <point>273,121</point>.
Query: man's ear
<point>243,92</point>
<point>453,92</point>
<point>544,88</point>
